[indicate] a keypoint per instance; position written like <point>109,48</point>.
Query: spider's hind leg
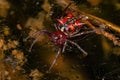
<point>55,59</point>
<point>33,34</point>
<point>34,42</point>
<point>38,34</point>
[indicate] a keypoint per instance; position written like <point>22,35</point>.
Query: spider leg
<point>77,46</point>
<point>93,27</point>
<point>37,32</point>
<point>53,63</point>
<point>39,35</point>
<point>89,24</point>
<point>34,42</point>
<point>64,46</point>
<point>31,35</point>
<point>83,33</point>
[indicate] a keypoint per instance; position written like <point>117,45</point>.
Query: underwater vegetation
<point>21,18</point>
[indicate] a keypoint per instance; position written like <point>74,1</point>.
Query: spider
<point>67,27</point>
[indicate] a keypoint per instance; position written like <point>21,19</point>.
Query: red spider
<point>66,28</point>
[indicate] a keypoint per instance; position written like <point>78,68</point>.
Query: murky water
<point>29,16</point>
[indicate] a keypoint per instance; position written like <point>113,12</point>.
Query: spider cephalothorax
<point>58,37</point>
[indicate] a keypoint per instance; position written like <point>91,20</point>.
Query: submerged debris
<point>11,44</point>
<point>4,7</point>
<point>11,62</point>
<point>36,75</point>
